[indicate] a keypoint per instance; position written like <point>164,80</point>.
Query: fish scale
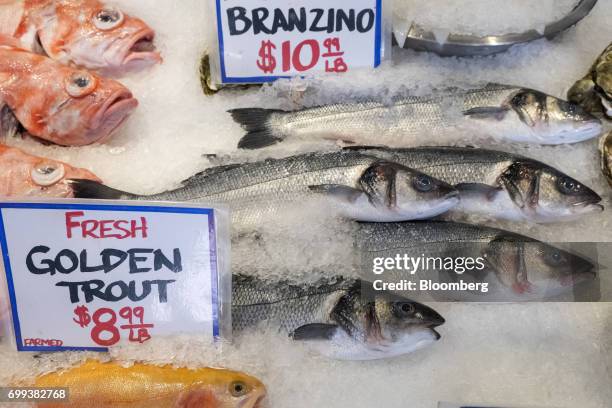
<point>288,305</point>
<point>451,164</point>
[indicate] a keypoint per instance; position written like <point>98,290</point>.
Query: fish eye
<point>80,84</point>
<point>48,173</point>
<point>554,258</point>
<point>238,388</point>
<point>568,185</point>
<point>423,183</point>
<point>403,309</point>
<point>108,18</point>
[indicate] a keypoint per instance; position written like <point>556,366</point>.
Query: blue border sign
<point>103,207</point>
<point>260,79</point>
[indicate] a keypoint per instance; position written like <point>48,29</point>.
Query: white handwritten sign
<point>89,276</point>
<point>263,40</point>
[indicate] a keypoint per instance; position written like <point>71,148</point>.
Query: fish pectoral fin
<point>487,112</point>
<point>9,125</point>
<point>315,331</point>
<point>258,139</point>
<point>478,189</point>
<point>344,193</point>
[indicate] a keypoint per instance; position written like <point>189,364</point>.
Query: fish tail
<point>256,122</point>
<point>92,189</point>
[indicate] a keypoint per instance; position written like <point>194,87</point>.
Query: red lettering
<point>42,342</point>
<point>142,228</point>
<point>71,224</point>
<point>119,229</point>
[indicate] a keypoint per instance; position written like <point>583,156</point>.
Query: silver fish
<point>499,185</point>
<point>514,266</point>
<point>594,91</point>
<point>350,184</point>
<point>501,112</point>
<point>340,318</point>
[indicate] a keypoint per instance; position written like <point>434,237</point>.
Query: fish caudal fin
<point>257,123</point>
<point>92,189</point>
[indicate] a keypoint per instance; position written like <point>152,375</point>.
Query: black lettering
<point>234,15</point>
<point>342,19</point>
<point>86,268</point>
<point>318,16</point>
<point>297,22</point>
<point>107,254</point>
<point>40,249</point>
<point>111,297</point>
<point>135,259</point>
<point>330,20</point>
<point>72,257</point>
<point>363,27</point>
<point>258,16</point>
<point>162,286</point>
<point>280,21</point>
<point>146,290</point>
<point>160,260</point>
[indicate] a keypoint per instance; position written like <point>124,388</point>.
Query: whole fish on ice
<point>350,184</point>
<point>60,104</point>
<point>594,91</point>
<point>499,112</point>
<point>24,175</point>
<point>499,185</point>
<point>85,33</point>
<point>110,385</point>
<point>340,318</point>
<point>516,268</point>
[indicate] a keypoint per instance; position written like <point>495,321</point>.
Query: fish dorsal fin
<point>211,171</point>
<point>11,14</point>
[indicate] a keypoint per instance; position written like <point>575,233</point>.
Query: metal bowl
<point>462,45</point>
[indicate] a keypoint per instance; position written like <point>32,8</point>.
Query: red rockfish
<point>26,176</point>
<point>60,104</point>
<point>84,33</point>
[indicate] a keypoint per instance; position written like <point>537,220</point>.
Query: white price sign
<point>89,276</point>
<point>263,40</point>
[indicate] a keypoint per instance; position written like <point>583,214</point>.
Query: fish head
<point>553,119</point>
<point>67,106</point>
<point>384,324</point>
<point>96,36</point>
<point>407,194</point>
<point>24,175</point>
<point>230,389</point>
<point>544,194</point>
<point>533,267</point>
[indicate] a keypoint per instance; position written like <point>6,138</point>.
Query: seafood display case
<point>306,203</point>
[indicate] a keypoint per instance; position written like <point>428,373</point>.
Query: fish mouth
<point>112,115</point>
<point>437,336</point>
<point>141,51</point>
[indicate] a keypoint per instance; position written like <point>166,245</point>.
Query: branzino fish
<point>500,112</point>
<point>606,156</point>
<point>358,186</point>
<point>59,104</point>
<point>340,318</point>
<point>84,33</point>
<point>594,91</point>
<point>499,185</point>
<point>24,175</point>
<point>110,385</point>
<point>516,267</point>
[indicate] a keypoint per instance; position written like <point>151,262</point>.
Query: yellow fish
<point>101,385</point>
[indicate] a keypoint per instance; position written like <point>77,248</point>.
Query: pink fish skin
<point>57,103</point>
<point>83,33</point>
<point>23,175</point>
